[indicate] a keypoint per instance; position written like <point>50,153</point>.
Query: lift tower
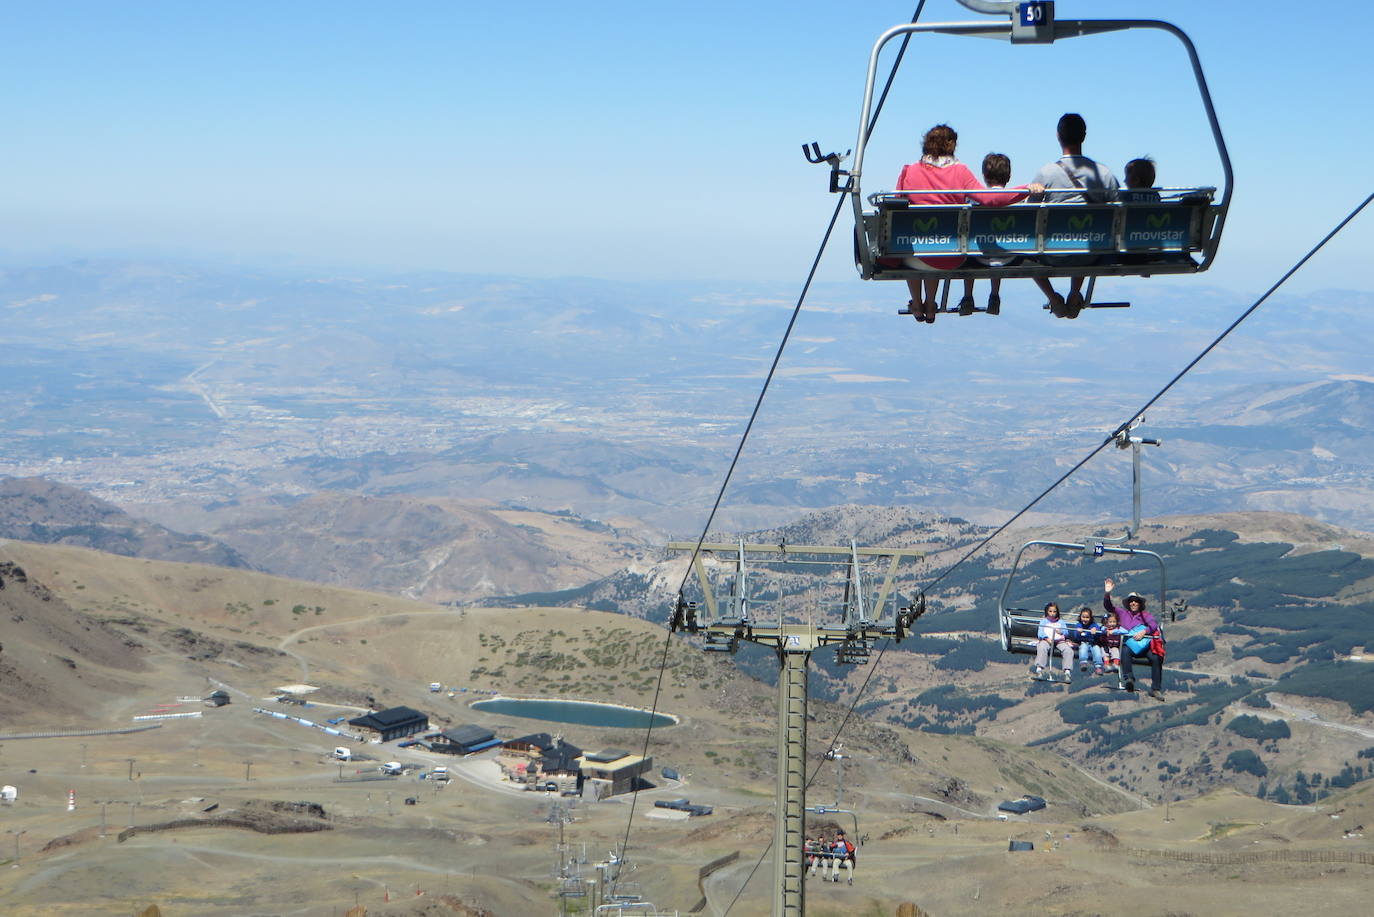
<point>868,610</point>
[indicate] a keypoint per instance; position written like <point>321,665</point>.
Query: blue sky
<point>622,139</point>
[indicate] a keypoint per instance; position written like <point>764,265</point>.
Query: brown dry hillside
<point>36,509</point>
<point>254,632</point>
<point>57,664</point>
<point>924,804</point>
<point>439,550</point>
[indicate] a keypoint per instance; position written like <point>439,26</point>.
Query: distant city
<point>188,386</point>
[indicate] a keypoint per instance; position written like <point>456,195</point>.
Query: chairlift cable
<point>796,312</point>
<point>858,696</point>
<point>758,404</point>
<point>1160,394</point>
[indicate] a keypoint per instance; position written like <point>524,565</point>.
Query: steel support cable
<point>1159,394</point>
<point>796,312</point>
<point>668,637</point>
<point>749,426</point>
<point>873,123</point>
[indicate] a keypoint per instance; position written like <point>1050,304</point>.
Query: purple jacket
<point>1129,619</point>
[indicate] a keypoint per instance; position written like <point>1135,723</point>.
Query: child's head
<point>996,169</point>
<point>1112,620</point>
<point>1085,615</point>
<point>1140,173</point>
<point>1051,610</point>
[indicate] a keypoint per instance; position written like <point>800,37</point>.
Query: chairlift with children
<point>1018,626</point>
<point>1173,230</point>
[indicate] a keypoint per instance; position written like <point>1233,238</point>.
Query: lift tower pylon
<point>868,610</point>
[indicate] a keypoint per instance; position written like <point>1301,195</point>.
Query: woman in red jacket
<point>945,180</point>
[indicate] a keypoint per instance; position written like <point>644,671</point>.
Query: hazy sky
<point>618,139</point>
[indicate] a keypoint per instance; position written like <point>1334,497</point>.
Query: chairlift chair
<point>1179,234</point>
<point>1018,627</point>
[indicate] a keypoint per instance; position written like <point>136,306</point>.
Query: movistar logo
<point>1159,220</point>
<point>926,225</point>
<point>1081,222</point>
<point>1003,224</point>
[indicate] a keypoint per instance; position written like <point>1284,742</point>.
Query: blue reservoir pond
<point>581,713</point>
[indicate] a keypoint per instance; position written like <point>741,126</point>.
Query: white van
<point>391,767</point>
<point>343,754</point>
<point>436,687</point>
<point>439,773</point>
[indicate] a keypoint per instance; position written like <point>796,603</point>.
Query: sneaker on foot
<point>1082,667</point>
<point>1056,305</point>
<point>1037,670</point>
<point>1130,685</point>
<point>994,304</point>
<point>1097,671</point>
<point>1068,675</point>
<point>966,306</point>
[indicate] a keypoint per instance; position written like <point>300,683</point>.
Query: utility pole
<point>247,771</point>
<point>131,768</point>
<point>729,619</point>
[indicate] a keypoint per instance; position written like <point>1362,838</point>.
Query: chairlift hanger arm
<point>1089,548</point>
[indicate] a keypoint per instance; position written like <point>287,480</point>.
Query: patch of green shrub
<point>1252,727</point>
<point>1242,760</point>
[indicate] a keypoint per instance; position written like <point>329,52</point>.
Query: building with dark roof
<point>463,740</point>
<point>392,723</point>
<point>217,699</point>
<point>541,761</point>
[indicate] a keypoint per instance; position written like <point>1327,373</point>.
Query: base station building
<point>392,723</point>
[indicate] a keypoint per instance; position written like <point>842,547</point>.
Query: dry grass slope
<point>925,803</point>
